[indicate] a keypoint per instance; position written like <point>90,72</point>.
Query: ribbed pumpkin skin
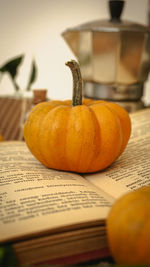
<point>84,138</point>
<point>128,228</point>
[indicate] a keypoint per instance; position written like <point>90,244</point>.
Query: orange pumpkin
<point>80,136</point>
<point>128,228</point>
<point>1,138</point>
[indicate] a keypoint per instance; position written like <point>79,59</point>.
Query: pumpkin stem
<point>77,82</point>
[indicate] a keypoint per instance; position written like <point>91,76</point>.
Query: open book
<point>49,215</point>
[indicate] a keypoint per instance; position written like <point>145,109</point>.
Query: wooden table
<point>12,114</point>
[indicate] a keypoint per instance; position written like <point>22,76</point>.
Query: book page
<point>34,199</point>
<point>132,169</point>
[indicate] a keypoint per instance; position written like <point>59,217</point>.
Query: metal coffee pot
<point>114,56</point>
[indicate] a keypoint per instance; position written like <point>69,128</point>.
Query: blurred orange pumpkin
<point>1,138</point>
<point>128,228</point>
<point>80,136</point>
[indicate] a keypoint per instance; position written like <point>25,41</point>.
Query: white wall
<point>34,27</point>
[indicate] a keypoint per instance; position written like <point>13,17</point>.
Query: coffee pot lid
<point>114,24</point>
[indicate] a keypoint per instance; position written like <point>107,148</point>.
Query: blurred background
<point>34,27</point>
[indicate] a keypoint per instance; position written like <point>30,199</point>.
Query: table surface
<point>12,114</point>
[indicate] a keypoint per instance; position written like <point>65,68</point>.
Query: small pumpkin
<point>79,135</point>
<point>128,228</point>
<point>1,138</point>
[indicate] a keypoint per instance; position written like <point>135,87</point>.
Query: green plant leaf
<point>7,256</point>
<point>12,66</point>
<point>33,75</point>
